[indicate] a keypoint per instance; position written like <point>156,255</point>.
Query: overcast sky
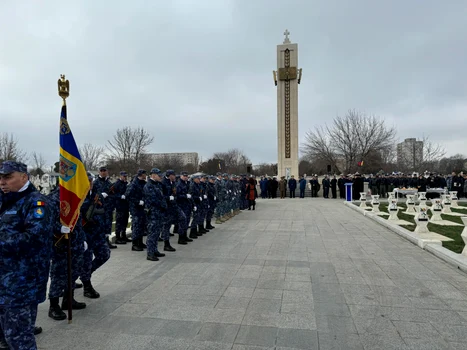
<point>197,74</point>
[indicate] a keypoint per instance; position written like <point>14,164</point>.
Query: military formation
<point>34,244</point>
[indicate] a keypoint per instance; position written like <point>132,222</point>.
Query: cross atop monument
<point>286,39</point>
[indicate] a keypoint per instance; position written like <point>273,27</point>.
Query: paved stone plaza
<point>294,274</point>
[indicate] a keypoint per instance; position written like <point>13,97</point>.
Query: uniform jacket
<point>182,190</point>
<point>292,184</point>
<point>103,185</point>
<point>134,194</point>
<point>220,190</point>
<point>211,193</point>
<point>195,191</point>
<point>119,189</point>
<point>153,197</point>
<point>169,189</point>
<point>25,247</point>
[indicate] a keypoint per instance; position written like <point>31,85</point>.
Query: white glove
<point>214,197</point>
<point>188,196</point>
<point>141,202</point>
<point>209,206</point>
<point>123,196</point>
<point>205,197</point>
<point>230,191</point>
<point>233,198</point>
<point>105,195</point>
<point>65,230</point>
<point>200,199</point>
<point>195,209</point>
<point>85,246</point>
<point>172,198</point>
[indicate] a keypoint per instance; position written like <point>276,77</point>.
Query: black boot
<point>141,244</point>
<point>37,330</point>
<point>168,247</point>
<point>194,233</point>
<point>253,207</point>
<point>182,240</point>
<point>89,291</point>
<point>55,312</point>
<point>119,239</point>
<point>124,237</point>
<point>152,257</point>
<point>75,305</point>
<point>111,246</point>
<point>187,239</point>
<point>209,226</point>
<point>158,254</point>
<point>175,228</point>
<point>136,245</point>
<point>201,229</point>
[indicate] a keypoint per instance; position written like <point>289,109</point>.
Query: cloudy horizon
<point>197,74</point>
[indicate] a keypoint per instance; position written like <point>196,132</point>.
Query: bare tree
<point>128,148</point>
<point>92,156</point>
<point>38,163</point>
<point>269,169</point>
<point>420,155</point>
<point>234,160</point>
<point>9,148</point>
<point>348,140</point>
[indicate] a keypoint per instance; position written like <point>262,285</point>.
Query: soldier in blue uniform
<point>58,268</point>
<point>219,199</point>
<point>134,196</point>
<point>98,251</point>
<point>156,204</point>
<point>173,213</point>
<point>184,202</point>
<point>25,249</point>
<point>196,197</point>
<point>204,204</point>
<point>103,186</point>
<point>121,208</point>
<point>228,197</point>
<point>211,200</point>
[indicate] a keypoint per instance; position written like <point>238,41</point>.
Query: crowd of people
<point>33,242</point>
<point>377,184</point>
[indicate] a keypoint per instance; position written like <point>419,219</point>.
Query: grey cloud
<point>198,74</point>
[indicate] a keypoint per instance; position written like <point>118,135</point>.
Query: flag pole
<point>64,92</point>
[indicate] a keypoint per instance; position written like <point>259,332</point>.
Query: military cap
<point>218,173</point>
<point>141,172</point>
<point>103,168</point>
<point>225,174</point>
<point>195,177</point>
<point>123,173</point>
<point>184,173</point>
<point>206,176</point>
<point>10,166</point>
<point>212,177</point>
<point>156,171</point>
<point>169,172</point>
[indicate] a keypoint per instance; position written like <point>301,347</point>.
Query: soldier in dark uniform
<point>173,214</point>
<point>58,268</point>
<point>103,186</point>
<point>98,251</point>
<point>156,204</point>
<point>121,208</point>
<point>292,186</point>
<point>184,202</point>
<point>334,187</point>
<point>219,198</point>
<point>25,249</point>
<point>341,185</point>
<point>314,186</point>
<point>134,196</point>
<point>196,197</point>
<point>212,197</point>
<point>204,204</point>
<point>326,185</point>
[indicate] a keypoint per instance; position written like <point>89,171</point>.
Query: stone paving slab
<point>293,274</point>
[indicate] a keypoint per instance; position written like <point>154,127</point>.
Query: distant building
<point>410,153</point>
<point>185,158</point>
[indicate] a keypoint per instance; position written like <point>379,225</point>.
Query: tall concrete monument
<point>286,78</point>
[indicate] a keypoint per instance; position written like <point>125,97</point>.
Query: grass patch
<point>453,232</point>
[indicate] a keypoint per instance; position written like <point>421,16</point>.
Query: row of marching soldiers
<point>156,202</point>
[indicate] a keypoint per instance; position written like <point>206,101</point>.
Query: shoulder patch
<point>38,213</point>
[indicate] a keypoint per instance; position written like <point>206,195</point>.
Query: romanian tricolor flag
<point>74,183</point>
<point>360,163</point>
